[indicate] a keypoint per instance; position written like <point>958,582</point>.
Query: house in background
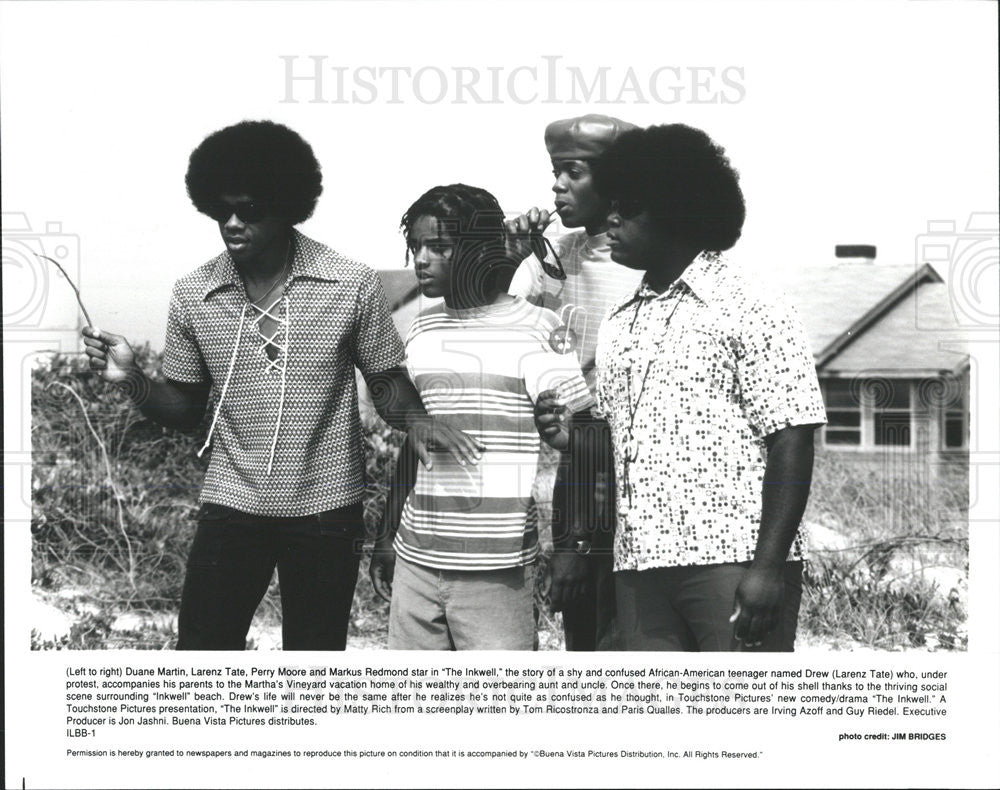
<point>889,353</point>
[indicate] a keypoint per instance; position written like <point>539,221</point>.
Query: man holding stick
<point>273,328</point>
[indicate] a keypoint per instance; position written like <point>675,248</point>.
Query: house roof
<point>894,320</point>
<point>404,297</point>
<point>860,317</point>
<point>400,286</point>
<point>918,335</point>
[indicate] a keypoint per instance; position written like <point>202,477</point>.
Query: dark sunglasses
<point>553,268</point>
<point>627,208</point>
<point>245,211</point>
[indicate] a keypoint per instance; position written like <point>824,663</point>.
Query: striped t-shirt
<point>483,369</point>
<point>594,284</point>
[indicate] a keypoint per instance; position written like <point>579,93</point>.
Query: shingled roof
<point>882,320</point>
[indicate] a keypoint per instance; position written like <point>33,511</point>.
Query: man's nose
<point>234,222</point>
<point>560,184</point>
<point>614,218</point>
<point>420,258</point>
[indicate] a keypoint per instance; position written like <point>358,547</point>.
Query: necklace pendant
<point>632,449</point>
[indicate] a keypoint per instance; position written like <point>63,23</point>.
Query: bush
<point>899,519</point>
<point>114,495</point>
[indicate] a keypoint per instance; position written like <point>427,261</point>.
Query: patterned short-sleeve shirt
<point>286,438</point>
<point>692,381</point>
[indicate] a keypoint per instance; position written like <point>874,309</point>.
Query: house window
<point>955,418</point>
<point>891,413</point>
<point>843,413</point>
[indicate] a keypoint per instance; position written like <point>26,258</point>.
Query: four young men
<point>706,384</point>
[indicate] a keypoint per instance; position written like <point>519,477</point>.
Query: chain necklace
<point>282,275</point>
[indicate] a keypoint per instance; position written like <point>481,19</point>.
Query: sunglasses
<point>627,208</point>
<point>553,268</point>
<point>245,210</point>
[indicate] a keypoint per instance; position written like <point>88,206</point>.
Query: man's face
<point>432,250</point>
<point>246,228</point>
<point>635,240</point>
<point>576,200</point>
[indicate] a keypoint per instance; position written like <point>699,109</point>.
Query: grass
<point>114,497</point>
<point>903,537</point>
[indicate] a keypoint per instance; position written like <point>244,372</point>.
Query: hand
<point>110,355</point>
<point>551,420</point>
<point>521,230</point>
<point>569,578</point>
<point>382,569</point>
<point>427,433</point>
<point>758,604</point>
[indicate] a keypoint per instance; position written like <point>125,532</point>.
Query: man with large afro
<point>710,391</point>
<point>271,330</point>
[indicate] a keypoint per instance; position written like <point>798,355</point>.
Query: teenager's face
<point>248,241</point>
<point>432,251</point>
<point>634,239</point>
<point>576,200</point>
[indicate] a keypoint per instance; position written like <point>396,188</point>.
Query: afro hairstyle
<point>682,178</point>
<point>264,160</point>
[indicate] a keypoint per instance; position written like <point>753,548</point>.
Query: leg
<point>705,598</point>
<point>647,617</point>
<point>607,635</point>
<point>416,613</point>
<point>603,565</point>
<point>579,618</point>
<point>318,570</point>
<point>491,610</point>
<point>228,571</point>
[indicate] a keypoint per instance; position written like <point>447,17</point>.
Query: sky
<point>849,122</point>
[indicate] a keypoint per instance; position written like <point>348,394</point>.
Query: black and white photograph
<point>533,337</point>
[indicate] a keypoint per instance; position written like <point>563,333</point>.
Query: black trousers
<point>230,567</point>
<point>590,622</point>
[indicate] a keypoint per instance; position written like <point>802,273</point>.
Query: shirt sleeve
<point>182,359</point>
<point>776,369</point>
<point>377,346</point>
<point>553,366</point>
<point>529,281</point>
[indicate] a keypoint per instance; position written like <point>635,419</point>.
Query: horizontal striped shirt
<point>594,284</point>
<point>483,369</point>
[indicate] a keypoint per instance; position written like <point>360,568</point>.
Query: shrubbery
<point>114,497</point>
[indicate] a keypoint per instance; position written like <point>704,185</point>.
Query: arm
<point>522,229</point>
<point>173,404</point>
<point>398,403</point>
<point>401,483</point>
<point>787,477</point>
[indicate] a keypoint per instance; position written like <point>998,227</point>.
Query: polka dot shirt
<point>691,381</point>
<point>286,439</point>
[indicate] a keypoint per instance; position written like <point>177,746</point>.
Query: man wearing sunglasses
<point>710,391</point>
<point>575,278</point>
<point>273,328</point>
